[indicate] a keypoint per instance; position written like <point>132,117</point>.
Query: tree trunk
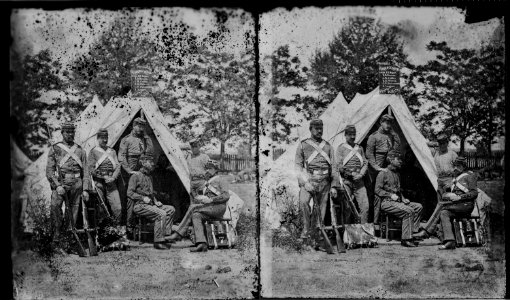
<point>462,141</point>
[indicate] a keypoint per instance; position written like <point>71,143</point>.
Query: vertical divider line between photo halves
<point>256,17</point>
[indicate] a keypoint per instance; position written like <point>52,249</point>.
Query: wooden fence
<point>233,163</point>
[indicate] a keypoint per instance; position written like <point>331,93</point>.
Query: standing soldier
<point>444,159</point>
<point>352,166</point>
<point>379,144</point>
<point>67,172</point>
<point>197,167</point>
<point>104,170</point>
<point>314,162</point>
<point>131,148</point>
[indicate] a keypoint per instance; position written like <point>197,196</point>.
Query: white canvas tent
<point>19,161</point>
<point>280,184</point>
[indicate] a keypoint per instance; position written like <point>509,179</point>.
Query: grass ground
<point>392,271</point>
<point>145,272</point>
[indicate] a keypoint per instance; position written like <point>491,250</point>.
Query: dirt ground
<point>390,271</point>
<point>144,272</point>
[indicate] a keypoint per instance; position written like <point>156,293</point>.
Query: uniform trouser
<point>372,175</point>
<point>110,194</point>
<point>126,203</point>
<point>321,185</point>
<point>455,210</point>
<point>430,226</point>
<point>409,213</point>
<point>358,193</point>
<point>196,214</point>
<point>73,191</point>
<point>161,216</point>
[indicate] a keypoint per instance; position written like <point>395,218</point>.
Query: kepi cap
<point>394,154</point>
<point>102,132</point>
<point>212,164</point>
<point>387,117</point>
<point>350,128</point>
<point>139,121</point>
<point>316,122</point>
<point>68,126</point>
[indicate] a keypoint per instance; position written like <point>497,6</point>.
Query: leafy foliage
<point>466,87</point>
<point>350,64</point>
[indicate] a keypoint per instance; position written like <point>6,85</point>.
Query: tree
<point>286,71</point>
<point>350,63</point>
<point>32,76</point>
<point>220,91</point>
<point>466,87</point>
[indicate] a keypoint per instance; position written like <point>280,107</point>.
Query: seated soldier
<point>387,187</point>
<point>210,203</point>
<point>457,199</point>
<point>141,192</point>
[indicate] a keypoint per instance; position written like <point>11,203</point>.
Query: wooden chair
<point>385,222</point>
<point>141,228</point>
<point>465,237</point>
<point>218,233</point>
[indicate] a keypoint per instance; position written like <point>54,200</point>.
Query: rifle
<point>339,241</point>
<point>81,250</point>
<point>349,198</point>
<point>91,242</point>
<point>99,195</point>
<point>329,246</point>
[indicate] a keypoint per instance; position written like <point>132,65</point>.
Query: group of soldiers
<point>324,172</point>
<point>125,185</point>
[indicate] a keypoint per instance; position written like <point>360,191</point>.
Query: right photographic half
<point>381,153</point>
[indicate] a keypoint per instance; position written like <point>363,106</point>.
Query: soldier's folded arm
<point>380,186</point>
<point>224,194</point>
<point>132,189</point>
<point>123,156</point>
<point>370,153</point>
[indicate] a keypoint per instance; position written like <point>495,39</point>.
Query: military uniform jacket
<point>131,147</point>
<point>312,156</point>
<point>103,163</point>
<point>197,165</point>
<point>140,185</point>
<point>388,183</point>
<point>350,159</point>
<point>465,186</point>
<point>70,160</point>
<point>217,188</point>
<point>378,145</point>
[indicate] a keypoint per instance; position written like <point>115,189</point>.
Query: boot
<point>202,247</point>
<point>174,237</point>
<point>421,235</point>
<point>407,243</point>
<point>160,246</point>
<point>449,245</point>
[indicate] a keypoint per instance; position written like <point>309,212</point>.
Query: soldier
<point>387,187</point>
<point>379,144</point>
<point>104,170</point>
<point>67,172</point>
<point>197,163</point>
<point>141,193</point>
<point>444,159</point>
<point>314,162</point>
<point>352,166</point>
<point>131,148</point>
<point>210,202</point>
<point>458,198</point>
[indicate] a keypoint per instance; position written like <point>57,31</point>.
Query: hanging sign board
<point>141,84</point>
<point>389,79</point>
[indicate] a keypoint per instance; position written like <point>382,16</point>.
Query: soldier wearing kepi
<point>352,166</point>
<point>314,163</point>
<point>210,202</point>
<point>67,172</point>
<point>141,193</point>
<point>197,167</point>
<point>104,170</point>
<point>379,144</point>
<point>387,187</point>
<point>457,199</point>
<point>131,148</point>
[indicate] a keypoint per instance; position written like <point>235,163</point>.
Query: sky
<point>308,29</point>
<point>70,32</point>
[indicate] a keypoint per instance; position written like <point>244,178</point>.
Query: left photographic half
<point>133,172</point>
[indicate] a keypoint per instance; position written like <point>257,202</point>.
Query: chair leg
<point>387,228</point>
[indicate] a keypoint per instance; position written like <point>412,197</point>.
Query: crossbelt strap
<point>456,183</point>
<point>318,150</point>
<point>69,153</point>
<point>106,154</point>
<point>354,151</point>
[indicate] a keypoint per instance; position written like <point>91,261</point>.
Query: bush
<point>246,232</point>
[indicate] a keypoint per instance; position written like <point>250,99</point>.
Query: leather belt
<point>319,172</point>
<point>72,175</point>
<point>196,177</point>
